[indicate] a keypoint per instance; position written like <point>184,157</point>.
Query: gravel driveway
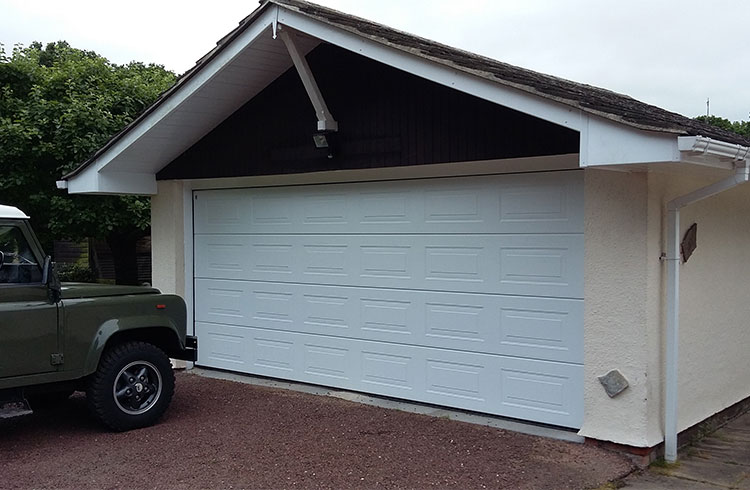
<point>223,434</point>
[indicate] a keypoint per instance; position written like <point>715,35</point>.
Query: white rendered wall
<point>615,305</point>
<point>624,291</point>
<point>714,347</point>
<point>167,244</point>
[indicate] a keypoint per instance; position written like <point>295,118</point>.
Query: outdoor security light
<point>320,140</point>
<point>324,140</point>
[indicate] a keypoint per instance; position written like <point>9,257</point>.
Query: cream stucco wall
<point>167,238</point>
<point>625,302</point>
<point>616,305</point>
<point>714,346</point>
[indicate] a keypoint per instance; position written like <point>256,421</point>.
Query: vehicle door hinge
<point>56,359</point>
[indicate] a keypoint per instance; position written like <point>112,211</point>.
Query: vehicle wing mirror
<point>49,277</point>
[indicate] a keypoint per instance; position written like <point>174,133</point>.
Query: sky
<point>675,54</point>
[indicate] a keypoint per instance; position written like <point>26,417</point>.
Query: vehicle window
<point>19,263</point>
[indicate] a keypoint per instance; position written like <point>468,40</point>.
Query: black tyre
<point>132,387</point>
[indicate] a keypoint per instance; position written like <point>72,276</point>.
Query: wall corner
<point>167,232</point>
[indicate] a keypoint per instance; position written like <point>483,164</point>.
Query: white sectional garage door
<point>464,291</point>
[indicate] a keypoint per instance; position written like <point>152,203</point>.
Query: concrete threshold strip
<point>404,406</point>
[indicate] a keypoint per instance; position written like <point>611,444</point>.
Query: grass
<point>662,467</point>
<point>611,485</point>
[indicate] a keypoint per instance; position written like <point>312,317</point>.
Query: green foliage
<point>74,273</point>
<point>58,105</point>
<point>740,127</point>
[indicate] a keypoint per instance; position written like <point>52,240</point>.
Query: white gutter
<point>715,148</point>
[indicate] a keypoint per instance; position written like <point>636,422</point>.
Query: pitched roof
<point>594,100</point>
<point>587,98</point>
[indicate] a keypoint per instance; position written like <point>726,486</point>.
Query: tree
<point>58,105</point>
<point>740,127</point>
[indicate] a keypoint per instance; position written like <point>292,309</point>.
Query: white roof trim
<point>104,182</point>
<point>86,182</point>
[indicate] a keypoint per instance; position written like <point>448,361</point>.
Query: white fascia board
<point>606,143</point>
<point>534,105</point>
<point>90,184</point>
<point>113,183</point>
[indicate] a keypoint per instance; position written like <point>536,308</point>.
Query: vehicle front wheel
<point>132,387</point>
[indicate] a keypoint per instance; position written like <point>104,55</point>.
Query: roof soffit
<point>200,100</point>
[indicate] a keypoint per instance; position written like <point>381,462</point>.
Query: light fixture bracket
<point>326,122</point>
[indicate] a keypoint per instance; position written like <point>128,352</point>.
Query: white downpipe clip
<point>741,175</point>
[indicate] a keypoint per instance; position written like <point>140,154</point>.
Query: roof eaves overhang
<point>606,144</point>
<point>688,153</point>
<point>181,82</point>
<point>119,168</point>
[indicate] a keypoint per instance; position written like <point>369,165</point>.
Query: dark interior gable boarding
<point>386,118</point>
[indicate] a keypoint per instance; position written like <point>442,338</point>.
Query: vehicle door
<point>28,316</point>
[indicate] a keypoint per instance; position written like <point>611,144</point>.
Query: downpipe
<point>740,176</point>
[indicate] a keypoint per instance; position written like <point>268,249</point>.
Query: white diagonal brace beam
<point>326,122</point>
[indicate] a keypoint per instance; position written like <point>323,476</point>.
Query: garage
<point>427,242</point>
<point>464,291</point>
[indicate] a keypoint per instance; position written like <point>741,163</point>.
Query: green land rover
<point>113,342</point>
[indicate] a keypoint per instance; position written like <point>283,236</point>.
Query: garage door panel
<point>465,292</point>
<point>394,372</point>
<point>539,328</point>
<point>456,381</point>
<point>328,360</point>
<point>546,389</point>
<point>272,355</point>
<point>222,347</point>
<point>487,204</point>
<point>486,383</point>
<point>536,265</point>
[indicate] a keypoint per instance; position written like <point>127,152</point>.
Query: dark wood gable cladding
<point>386,118</point>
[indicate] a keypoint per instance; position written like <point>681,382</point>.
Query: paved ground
<point>720,461</point>
<point>223,434</point>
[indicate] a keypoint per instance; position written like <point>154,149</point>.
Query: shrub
<point>75,273</point>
